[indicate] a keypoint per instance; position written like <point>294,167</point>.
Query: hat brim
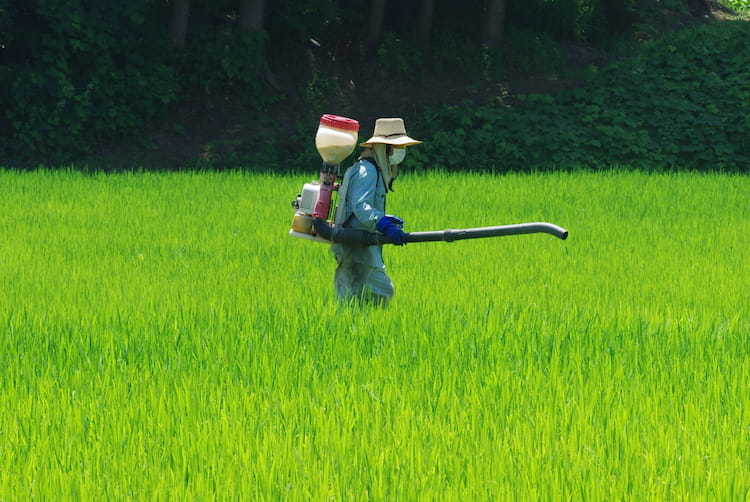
<point>402,140</point>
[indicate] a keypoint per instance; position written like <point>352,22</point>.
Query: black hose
<point>348,236</point>
<point>482,232</point>
<point>355,237</point>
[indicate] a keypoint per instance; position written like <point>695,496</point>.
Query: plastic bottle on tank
<point>336,138</point>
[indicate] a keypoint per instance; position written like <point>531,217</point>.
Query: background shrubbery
<point>85,80</point>
<point>76,73</point>
<point>683,101</point>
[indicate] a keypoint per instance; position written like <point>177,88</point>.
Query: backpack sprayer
<point>335,141</point>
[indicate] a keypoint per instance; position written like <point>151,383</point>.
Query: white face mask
<point>397,156</point>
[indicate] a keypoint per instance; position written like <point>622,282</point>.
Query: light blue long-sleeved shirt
<point>364,189</point>
<point>363,204</point>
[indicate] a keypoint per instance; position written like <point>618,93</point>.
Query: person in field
<point>362,200</point>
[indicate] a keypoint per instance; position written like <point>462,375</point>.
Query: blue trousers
<point>355,279</point>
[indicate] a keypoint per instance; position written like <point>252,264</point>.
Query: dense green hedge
<point>83,72</point>
<point>77,76</point>
<point>682,102</point>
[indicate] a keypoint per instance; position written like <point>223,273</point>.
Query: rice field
<point>161,337</point>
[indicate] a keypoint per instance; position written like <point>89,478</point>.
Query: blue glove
<point>387,227</point>
<point>396,220</point>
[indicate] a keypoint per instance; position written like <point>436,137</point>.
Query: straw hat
<point>390,132</point>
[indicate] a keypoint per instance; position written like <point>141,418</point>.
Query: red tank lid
<point>339,122</point>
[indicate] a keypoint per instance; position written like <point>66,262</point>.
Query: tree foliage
<point>76,75</point>
<point>682,102</point>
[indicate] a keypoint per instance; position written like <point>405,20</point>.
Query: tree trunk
<point>495,23</point>
<point>699,7</point>
<point>251,21</point>
<point>251,15</point>
<point>425,24</point>
<point>178,27</point>
<point>377,9</point>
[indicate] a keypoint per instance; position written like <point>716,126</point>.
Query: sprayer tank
<point>336,138</point>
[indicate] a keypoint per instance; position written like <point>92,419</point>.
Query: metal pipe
<point>355,237</point>
<point>327,181</point>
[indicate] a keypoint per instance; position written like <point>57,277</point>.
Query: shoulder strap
<point>340,215</point>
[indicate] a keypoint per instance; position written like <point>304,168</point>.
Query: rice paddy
<point>161,337</point>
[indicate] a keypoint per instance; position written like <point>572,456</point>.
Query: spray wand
<point>356,237</point>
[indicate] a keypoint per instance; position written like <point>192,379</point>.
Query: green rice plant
<point>737,5</point>
<point>161,337</point>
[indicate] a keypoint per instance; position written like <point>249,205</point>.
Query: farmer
<point>361,271</point>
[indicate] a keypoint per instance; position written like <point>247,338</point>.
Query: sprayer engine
<point>304,205</point>
<point>305,211</point>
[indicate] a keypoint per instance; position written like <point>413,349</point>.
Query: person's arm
<point>362,188</point>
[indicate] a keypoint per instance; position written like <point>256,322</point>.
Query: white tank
<point>309,197</point>
<point>336,138</point>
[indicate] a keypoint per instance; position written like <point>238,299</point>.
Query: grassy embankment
<point>161,337</point>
